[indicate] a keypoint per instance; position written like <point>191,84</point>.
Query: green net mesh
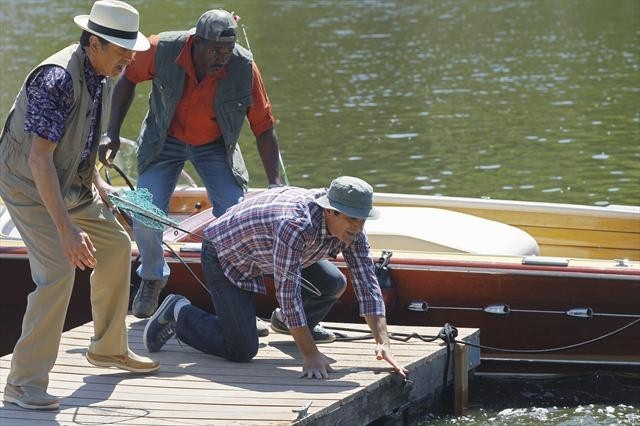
<point>139,203</point>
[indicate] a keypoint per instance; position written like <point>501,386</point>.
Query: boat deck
<point>194,388</point>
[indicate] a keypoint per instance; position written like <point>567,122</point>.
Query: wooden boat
<point>548,285</point>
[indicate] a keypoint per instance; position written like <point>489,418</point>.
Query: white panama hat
<point>116,22</point>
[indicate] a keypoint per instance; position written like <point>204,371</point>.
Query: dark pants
<point>231,333</point>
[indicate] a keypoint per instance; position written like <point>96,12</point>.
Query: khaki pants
<point>36,351</point>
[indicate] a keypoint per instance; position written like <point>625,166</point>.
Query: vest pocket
<point>240,104</point>
<point>234,111</point>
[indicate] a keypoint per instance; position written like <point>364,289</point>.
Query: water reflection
<point>502,99</point>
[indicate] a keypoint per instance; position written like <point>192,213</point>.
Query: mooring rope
<point>404,337</point>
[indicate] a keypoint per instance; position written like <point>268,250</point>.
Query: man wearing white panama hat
<point>48,151</point>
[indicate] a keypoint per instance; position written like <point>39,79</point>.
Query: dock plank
<point>192,388</point>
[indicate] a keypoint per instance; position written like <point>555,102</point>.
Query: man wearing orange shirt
<point>204,85</point>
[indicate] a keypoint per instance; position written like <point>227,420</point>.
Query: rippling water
<point>531,100</point>
<point>599,398</point>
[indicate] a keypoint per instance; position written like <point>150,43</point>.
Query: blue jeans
<point>232,333</point>
<point>161,177</point>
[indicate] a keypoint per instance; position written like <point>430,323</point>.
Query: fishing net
<point>139,203</point>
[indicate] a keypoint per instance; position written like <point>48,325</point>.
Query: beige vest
<point>15,144</point>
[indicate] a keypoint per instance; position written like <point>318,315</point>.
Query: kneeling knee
<point>243,354</point>
<point>340,285</point>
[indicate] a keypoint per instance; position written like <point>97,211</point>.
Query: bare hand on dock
<point>316,366</point>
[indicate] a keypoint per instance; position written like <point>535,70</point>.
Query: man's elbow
<point>36,159</point>
<point>267,135</point>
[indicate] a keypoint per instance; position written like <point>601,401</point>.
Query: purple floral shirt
<point>50,98</point>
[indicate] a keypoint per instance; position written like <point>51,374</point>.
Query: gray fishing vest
<point>15,143</point>
<point>233,97</point>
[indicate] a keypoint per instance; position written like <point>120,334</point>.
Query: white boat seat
<point>417,229</point>
<point>440,230</point>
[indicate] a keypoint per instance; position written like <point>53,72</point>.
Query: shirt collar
<point>89,73</point>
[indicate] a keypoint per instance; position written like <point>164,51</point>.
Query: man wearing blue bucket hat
<point>287,233</point>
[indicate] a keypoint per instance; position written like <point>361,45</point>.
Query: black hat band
<point>129,35</point>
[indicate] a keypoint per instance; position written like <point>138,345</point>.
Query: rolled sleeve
<point>259,113</point>
<point>365,282</point>
<point>143,65</point>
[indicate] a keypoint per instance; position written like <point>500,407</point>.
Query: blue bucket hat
<point>351,196</point>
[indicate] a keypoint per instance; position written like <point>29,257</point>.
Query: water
<point>598,398</point>
<point>524,100</point>
<point>501,99</point>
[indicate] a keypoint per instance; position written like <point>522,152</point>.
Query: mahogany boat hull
<point>546,310</point>
<point>443,291</point>
<point>537,299</point>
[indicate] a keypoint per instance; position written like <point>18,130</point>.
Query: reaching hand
<point>383,351</point>
<point>108,149</point>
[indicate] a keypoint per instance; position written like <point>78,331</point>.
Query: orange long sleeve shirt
<point>194,121</point>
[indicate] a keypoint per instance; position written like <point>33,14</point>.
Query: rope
<point>404,337</point>
<point>447,333</point>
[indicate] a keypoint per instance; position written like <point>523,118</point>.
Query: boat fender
<point>383,272</point>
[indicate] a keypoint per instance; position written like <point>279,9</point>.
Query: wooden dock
<point>192,388</point>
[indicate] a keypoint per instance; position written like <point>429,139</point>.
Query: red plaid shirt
<point>279,232</point>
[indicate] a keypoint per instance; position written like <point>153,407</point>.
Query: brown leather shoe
<point>129,362</point>
<point>30,397</point>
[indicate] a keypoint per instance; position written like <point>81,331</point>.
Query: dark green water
<point>535,100</point>
<point>598,398</point>
<point>525,100</point>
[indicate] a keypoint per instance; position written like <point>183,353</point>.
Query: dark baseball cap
<point>216,25</point>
